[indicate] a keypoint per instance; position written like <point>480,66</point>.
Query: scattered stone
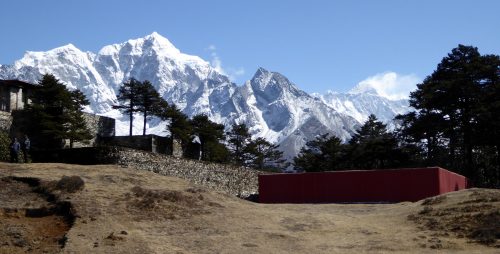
<point>250,245</point>
<point>19,242</point>
<point>113,237</point>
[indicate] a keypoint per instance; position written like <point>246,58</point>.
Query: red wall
<point>449,181</point>
<point>391,185</point>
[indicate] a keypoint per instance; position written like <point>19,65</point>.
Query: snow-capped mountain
<point>277,110</point>
<point>74,67</point>
<point>271,105</point>
<point>361,104</point>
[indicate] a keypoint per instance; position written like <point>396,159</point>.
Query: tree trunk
<point>145,120</point>
<point>202,150</point>
<point>131,115</point>
<point>498,166</point>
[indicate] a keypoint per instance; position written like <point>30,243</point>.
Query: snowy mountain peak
<point>271,105</point>
<point>154,36</point>
<point>261,72</point>
<point>157,42</point>
<point>32,58</point>
<point>261,78</point>
<point>274,84</point>
<point>65,48</point>
<point>360,102</point>
<point>362,89</point>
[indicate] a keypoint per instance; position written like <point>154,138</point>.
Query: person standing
<point>14,150</point>
<point>26,148</point>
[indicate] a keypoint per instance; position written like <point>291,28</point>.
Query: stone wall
<point>149,143</point>
<point>5,121</point>
<point>100,125</point>
<point>237,181</point>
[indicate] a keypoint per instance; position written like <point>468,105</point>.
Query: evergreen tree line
<point>55,115</point>
<point>371,147</point>
<point>455,125</point>
<point>200,138</point>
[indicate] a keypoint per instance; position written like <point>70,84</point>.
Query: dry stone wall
<point>5,121</point>
<point>237,181</point>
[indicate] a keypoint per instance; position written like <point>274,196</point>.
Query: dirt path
<point>127,211</point>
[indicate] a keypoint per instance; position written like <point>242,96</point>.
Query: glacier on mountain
<point>272,107</point>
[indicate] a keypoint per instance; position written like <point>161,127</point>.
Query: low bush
<point>70,184</point>
<point>4,146</point>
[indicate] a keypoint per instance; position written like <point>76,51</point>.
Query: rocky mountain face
<point>270,105</point>
<point>360,105</point>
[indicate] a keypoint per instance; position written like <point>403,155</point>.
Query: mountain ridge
<point>272,106</point>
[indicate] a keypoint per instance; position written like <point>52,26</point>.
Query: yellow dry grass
<point>123,210</point>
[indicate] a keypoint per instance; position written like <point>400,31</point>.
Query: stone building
<point>14,95</point>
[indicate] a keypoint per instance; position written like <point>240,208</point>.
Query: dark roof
<point>17,83</point>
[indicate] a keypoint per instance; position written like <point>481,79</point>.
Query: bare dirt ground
<point>122,210</point>
<point>25,221</point>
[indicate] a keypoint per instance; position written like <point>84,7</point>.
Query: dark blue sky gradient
<point>319,45</point>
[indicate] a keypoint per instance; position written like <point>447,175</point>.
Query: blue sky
<point>319,45</point>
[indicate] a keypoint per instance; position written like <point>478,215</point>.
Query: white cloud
<point>391,85</point>
<point>234,73</point>
<point>216,63</point>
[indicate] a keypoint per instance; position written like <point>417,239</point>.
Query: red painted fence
<point>389,185</point>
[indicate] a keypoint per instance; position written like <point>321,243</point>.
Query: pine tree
<point>75,125</point>
<point>178,123</point>
<point>452,91</point>
<point>180,126</point>
<point>55,114</point>
<point>238,140</point>
<point>321,154</point>
<point>423,135</point>
<point>457,109</point>
<point>373,147</point>
<point>264,155</point>
<point>210,134</point>
<point>487,130</point>
<point>129,96</point>
<point>148,101</point>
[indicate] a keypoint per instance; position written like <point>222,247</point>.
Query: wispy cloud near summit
<point>391,85</point>
<point>216,62</point>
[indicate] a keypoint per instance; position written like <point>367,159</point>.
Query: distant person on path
<point>14,150</point>
<point>26,148</point>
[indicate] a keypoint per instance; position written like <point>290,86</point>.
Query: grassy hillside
<point>123,210</point>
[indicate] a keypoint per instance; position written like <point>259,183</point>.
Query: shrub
<point>4,146</point>
<point>70,184</point>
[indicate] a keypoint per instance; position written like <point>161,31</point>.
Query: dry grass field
<point>122,210</point>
